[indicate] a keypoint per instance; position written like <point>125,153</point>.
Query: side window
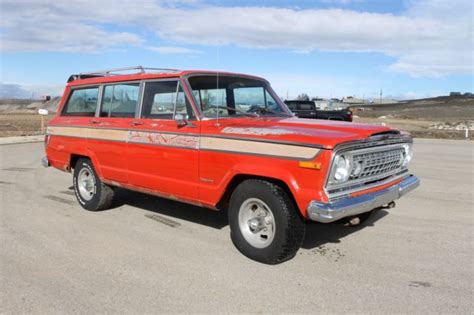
<point>120,100</point>
<point>160,98</point>
<point>197,97</point>
<point>82,102</point>
<point>182,104</point>
<point>247,97</point>
<point>271,103</point>
<point>213,102</point>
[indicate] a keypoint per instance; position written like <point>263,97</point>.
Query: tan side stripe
<point>260,148</point>
<point>67,131</point>
<point>90,133</point>
<point>190,141</point>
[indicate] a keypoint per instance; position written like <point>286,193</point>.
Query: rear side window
<point>120,100</point>
<point>82,102</point>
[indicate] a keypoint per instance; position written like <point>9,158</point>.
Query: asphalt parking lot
<point>153,255</point>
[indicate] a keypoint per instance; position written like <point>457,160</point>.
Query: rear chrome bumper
<point>333,211</point>
<point>44,161</point>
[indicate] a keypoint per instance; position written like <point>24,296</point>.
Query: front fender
<point>300,192</point>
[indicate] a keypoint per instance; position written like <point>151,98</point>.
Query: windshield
<point>230,96</point>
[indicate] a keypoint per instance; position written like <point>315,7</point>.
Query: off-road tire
<point>289,225</point>
<point>104,194</point>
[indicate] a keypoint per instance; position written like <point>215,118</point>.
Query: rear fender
<point>86,153</point>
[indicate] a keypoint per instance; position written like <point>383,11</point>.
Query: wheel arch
<point>240,178</point>
<point>74,157</point>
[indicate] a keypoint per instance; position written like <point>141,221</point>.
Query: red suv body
<point>223,141</point>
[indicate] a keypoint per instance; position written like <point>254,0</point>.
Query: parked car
<point>226,142</point>
<point>308,109</point>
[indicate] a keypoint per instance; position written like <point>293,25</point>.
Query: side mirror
<point>181,120</point>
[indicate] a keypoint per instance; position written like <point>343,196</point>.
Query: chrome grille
<point>368,166</point>
<point>376,164</point>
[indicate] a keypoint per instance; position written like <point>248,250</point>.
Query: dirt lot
<point>441,117</point>
<point>417,128</point>
<point>21,124</point>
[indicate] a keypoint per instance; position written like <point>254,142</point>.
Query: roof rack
<point>118,71</point>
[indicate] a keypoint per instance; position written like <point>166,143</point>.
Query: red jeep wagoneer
<point>223,141</point>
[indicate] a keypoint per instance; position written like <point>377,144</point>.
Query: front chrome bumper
<point>44,161</point>
<point>333,211</point>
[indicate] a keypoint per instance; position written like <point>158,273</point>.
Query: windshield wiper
<point>264,110</point>
<point>235,110</point>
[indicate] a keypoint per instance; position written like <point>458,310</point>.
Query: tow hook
<point>353,221</point>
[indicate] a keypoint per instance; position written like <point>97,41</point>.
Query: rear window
<point>306,106</point>
<point>82,102</point>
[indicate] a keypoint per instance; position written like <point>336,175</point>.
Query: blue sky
<point>328,48</point>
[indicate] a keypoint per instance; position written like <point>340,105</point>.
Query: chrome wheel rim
<point>256,223</point>
<point>86,184</point>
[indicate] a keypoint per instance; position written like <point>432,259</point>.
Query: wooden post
<point>42,113</point>
<point>42,123</point>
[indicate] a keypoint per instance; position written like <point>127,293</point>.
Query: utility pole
<point>380,96</point>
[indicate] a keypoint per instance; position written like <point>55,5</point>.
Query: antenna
<point>217,88</point>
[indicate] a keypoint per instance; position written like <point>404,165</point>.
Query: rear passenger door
<point>163,155</point>
<point>108,134</point>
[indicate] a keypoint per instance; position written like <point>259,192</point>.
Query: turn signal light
<point>310,165</point>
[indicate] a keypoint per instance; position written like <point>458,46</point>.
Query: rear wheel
<point>90,191</point>
<point>264,222</point>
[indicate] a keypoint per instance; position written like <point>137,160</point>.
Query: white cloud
<point>422,46</point>
<point>431,38</point>
<point>174,50</point>
<point>57,26</point>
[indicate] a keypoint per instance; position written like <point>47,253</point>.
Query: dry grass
<point>417,128</point>
<point>21,124</point>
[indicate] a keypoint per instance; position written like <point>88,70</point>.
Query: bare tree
<point>303,97</point>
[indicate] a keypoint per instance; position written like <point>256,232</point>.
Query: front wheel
<point>90,191</point>
<point>264,222</point>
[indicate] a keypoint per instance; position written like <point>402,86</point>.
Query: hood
<point>323,133</point>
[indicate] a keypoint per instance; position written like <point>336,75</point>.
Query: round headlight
<point>407,154</point>
<point>342,168</point>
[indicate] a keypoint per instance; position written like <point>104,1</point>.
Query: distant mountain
<point>13,91</point>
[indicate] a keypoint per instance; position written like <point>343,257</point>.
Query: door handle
<point>93,121</point>
<point>136,123</point>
